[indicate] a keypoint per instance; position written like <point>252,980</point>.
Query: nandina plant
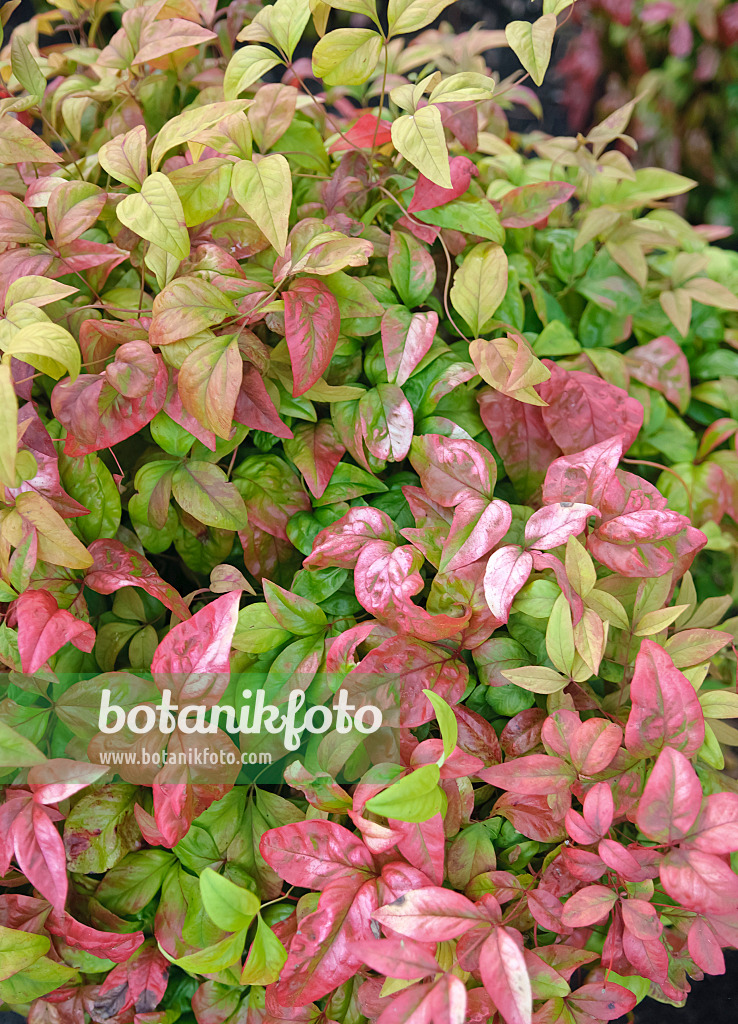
<point>363,372</point>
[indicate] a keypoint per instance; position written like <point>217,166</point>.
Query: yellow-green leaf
<point>124,157</point>
<point>446,723</point>
<point>415,797</point>
<point>47,347</point>
<point>227,904</point>
<point>8,427</point>
<point>156,214</point>
<point>560,636</point>
<point>347,56</point>
<point>247,66</point>
<point>266,957</point>
<point>25,68</point>
<point>467,86</point>
<point>480,285</point>
<point>537,679</point>
<point>420,138</point>
<point>411,15</point>
<point>531,43</point>
<point>264,190</point>
<point>189,124</point>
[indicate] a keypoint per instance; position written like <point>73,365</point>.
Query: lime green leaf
<point>411,15</point>
<point>227,904</point>
<point>347,56</point>
<point>25,68</point>
<point>258,631</point>
<point>531,43</point>
<point>8,427</point>
<point>446,722</point>
<point>415,797</point>
<point>247,66</point>
<point>480,285</point>
<point>420,138</point>
<point>19,144</point>
<point>42,976</point>
<point>20,949</point>
<point>124,157</point>
<point>156,214</point>
<point>466,86</point>
<point>215,958</point>
<point>16,751</point>
<point>37,291</point>
<point>537,679</point>
<point>266,957</point>
<point>264,190</point>
<point>188,125</point>
<point>47,347</point>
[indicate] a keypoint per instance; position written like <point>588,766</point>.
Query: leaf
<point>124,157</point>
<point>187,306</point>
<point>531,44</point>
<point>662,365</point>
<point>509,365</point>
<point>316,450</point>
<point>271,492</point>
<point>480,285</point>
<point>264,190</point>
<point>346,56</point>
<point>428,196</point>
<point>315,853</point>
<point>203,490</point>
<point>537,679</point>
<point>505,976</point>
<point>406,338</point>
<point>420,138</point>
<point>156,214</point>
<point>603,1000</point>
<point>47,347</point>
<point>387,422</point>
<point>115,566</point>
<point>665,711</point>
<point>588,906</point>
<point>312,325</point>
<point>452,470</point>
<point>214,958</point>
<point>56,542</point>
<point>521,439</point>
<point>411,268</point>
<point>507,571</point>
<point>446,722</point>
<point>478,525</point>
<point>170,35</point>
<point>430,914</point>
<point>552,525</point>
<point>228,905</point>
<point>209,383</point>
<point>534,775</point>
<point>530,204</point>
<point>266,957</point>
<point>19,949</point>
<point>671,799</point>
<point>25,67</point>
<point>411,15</point>
<point>18,144</point>
<point>8,426</point>
<point>247,65</point>
<point>44,628</point>
<point>414,798</point>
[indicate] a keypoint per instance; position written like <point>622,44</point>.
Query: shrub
<point>682,59</point>
<point>358,391</point>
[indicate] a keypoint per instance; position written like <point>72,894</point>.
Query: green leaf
<point>266,957</point>
<point>38,979</point>
<point>349,482</point>
<point>156,214</point>
<point>227,904</point>
<point>347,56</point>
<point>420,138</point>
<point>247,66</point>
<point>480,285</point>
<point>297,614</point>
<point>446,722</point>
<point>560,636</point>
<point>124,157</point>
<point>25,67</point>
<point>531,43</point>
<point>189,124</point>
<point>202,188</point>
<point>466,86</point>
<point>214,958</point>
<point>16,751</point>
<point>47,347</point>
<point>203,490</point>
<point>19,949</point>
<point>264,190</point>
<point>257,631</point>
<point>415,797</point>
<point>474,216</point>
<point>8,426</point>
<point>101,828</point>
<point>209,382</point>
<point>89,481</point>
<point>411,15</point>
<point>537,679</point>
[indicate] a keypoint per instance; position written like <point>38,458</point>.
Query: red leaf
<point>700,882</point>
<point>522,732</point>
<point>255,408</point>
<point>99,410</point>
<point>320,956</point>
<point>583,476</point>
<point>478,525</point>
<point>315,853</point>
<point>594,744</point>
<point>521,438</point>
<point>554,524</point>
<point>312,324</point>
<point>505,976</point>
<point>406,338</point>
<point>44,628</point>
<point>507,572</point>
<point>428,196</point>
<point>603,1000</point>
<point>531,204</point>
<point>704,948</point>
<point>398,958</point>
<point>108,945</point>
<point>546,910</point>
<point>193,659</point>
<point>583,409</point>
<point>716,830</point>
<point>641,919</point>
<point>453,469</point>
<point>588,906</point>
<point>598,808</point>
<point>117,566</point>
<point>443,1001</point>
<point>316,450</point>
<point>341,543</point>
<point>39,851</point>
<point>534,775</point>
<point>671,799</point>
<point>531,816</point>
<point>662,365</point>
<point>431,914</point>
<point>364,133</point>
<point>646,543</point>
<point>477,736</point>
<point>665,710</point>
<point>647,956</point>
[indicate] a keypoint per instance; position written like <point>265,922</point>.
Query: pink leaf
<point>599,808</point>
<point>507,571</point>
<point>671,799</point>
<point>312,324</point>
<point>39,851</point>
<point>700,882</point>
<point>641,919</point>
<point>662,365</point>
<point>704,948</point>
<point>478,525</point>
<point>44,628</point>
<point>521,438</point>
<point>716,830</point>
<point>399,958</point>
<point>505,976</point>
<point>316,451</point>
<point>583,476</point>
<point>588,906</point>
<point>341,543</point>
<point>431,914</point>
<point>602,1000</point>
<point>117,566</point>
<point>647,543</point>
<point>108,945</point>
<point>594,744</point>
<point>554,524</point>
<point>534,775</point>
<point>583,409</point>
<point>193,659</point>
<point>665,710</point>
<point>406,338</point>
<point>315,853</point>
<point>531,204</point>
<point>451,470</point>
<point>428,196</point>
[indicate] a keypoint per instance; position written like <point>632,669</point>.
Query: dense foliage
<point>682,59</point>
<point>317,379</point>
